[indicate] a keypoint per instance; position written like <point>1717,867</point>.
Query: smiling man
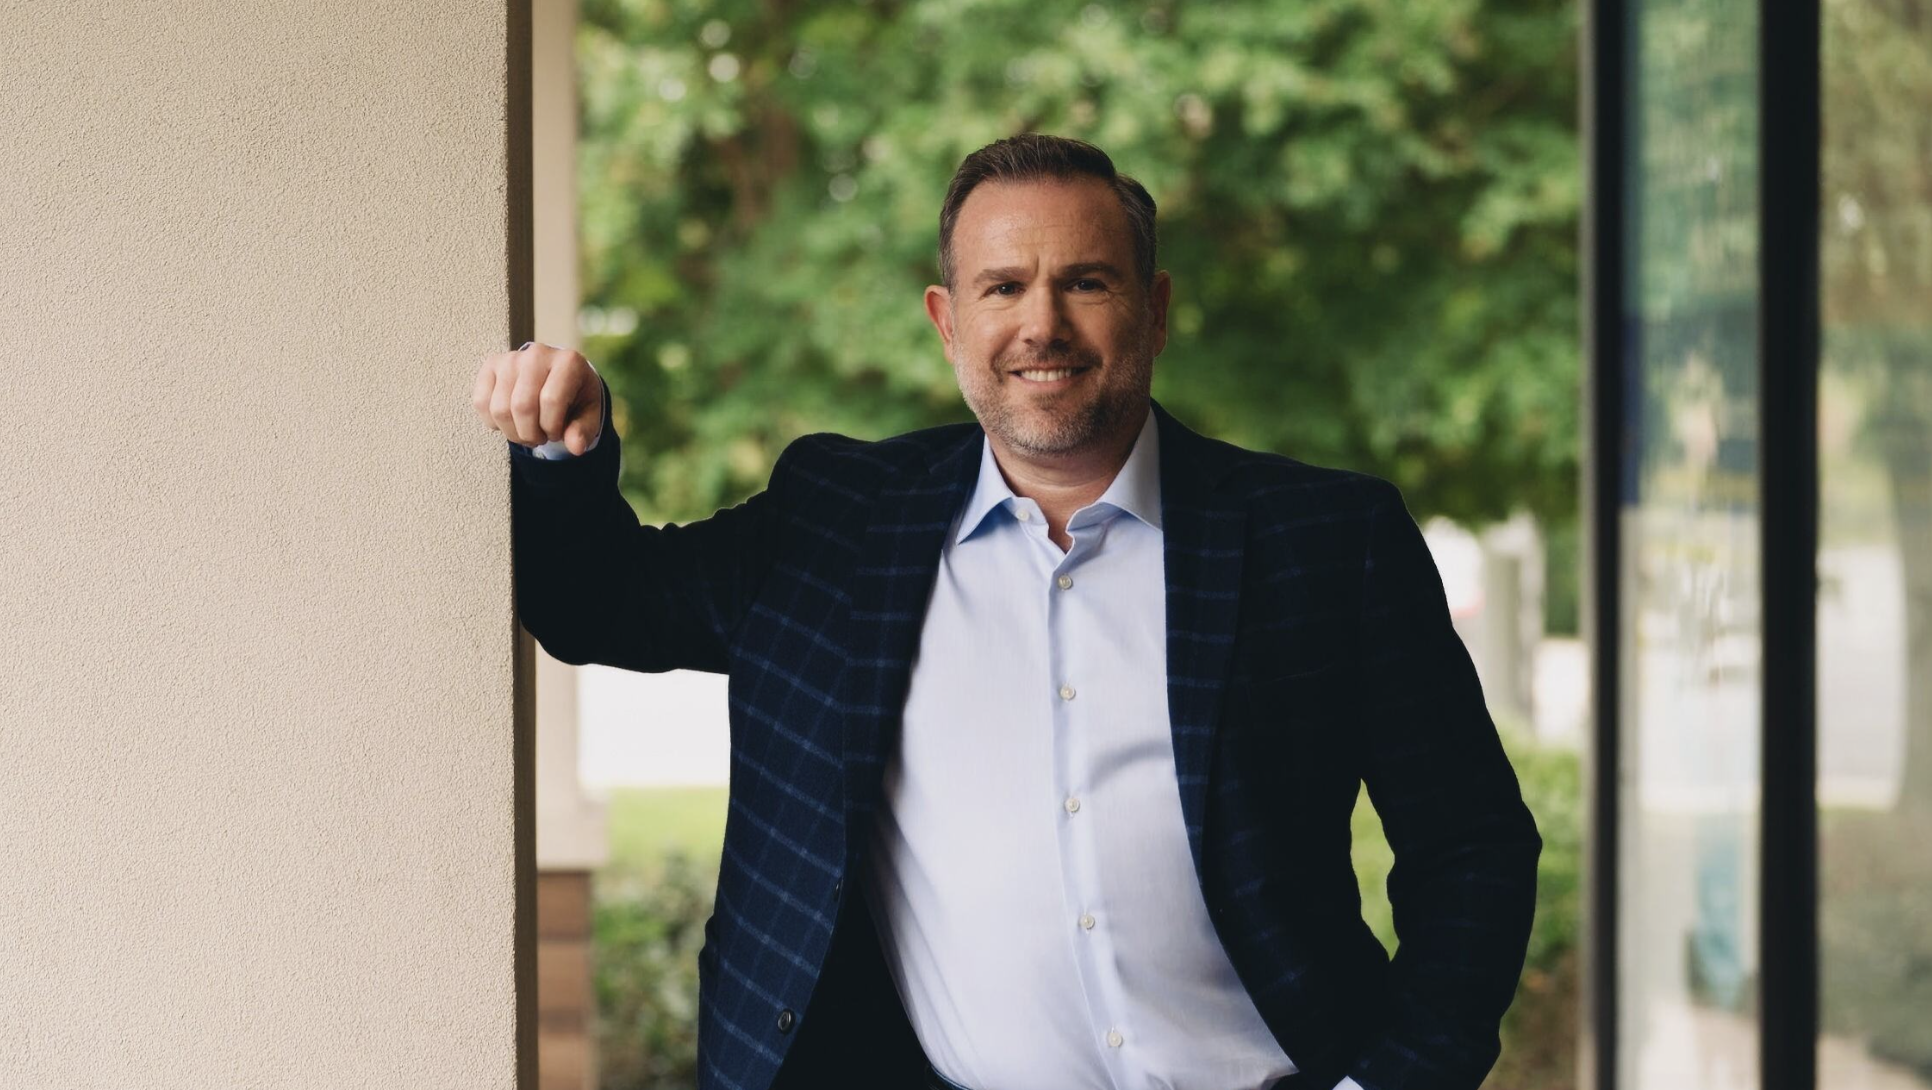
<point>1046,730</point>
<point>1053,328</point>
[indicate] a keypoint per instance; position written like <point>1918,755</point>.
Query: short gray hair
<point>1032,156</point>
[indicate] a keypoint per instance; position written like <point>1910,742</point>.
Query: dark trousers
<point>855,1031</point>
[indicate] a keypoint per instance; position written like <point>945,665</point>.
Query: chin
<point>1048,433</point>
<point>1058,424</point>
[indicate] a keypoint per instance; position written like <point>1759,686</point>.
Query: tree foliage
<point>1876,282</point>
<point>1369,210</point>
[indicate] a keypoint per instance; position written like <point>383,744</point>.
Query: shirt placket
<point>1079,804</point>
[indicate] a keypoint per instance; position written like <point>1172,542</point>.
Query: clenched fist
<point>540,394</point>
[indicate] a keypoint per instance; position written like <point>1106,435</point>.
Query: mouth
<point>1049,377</point>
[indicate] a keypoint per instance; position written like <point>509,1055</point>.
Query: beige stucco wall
<point>264,785</point>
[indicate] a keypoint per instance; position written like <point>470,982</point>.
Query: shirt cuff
<point>556,451</point>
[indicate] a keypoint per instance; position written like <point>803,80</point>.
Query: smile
<point>1048,377</point>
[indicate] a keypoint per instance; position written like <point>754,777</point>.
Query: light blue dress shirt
<point>1037,904</point>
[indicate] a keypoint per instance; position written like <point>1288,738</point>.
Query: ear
<point>939,311</point>
<point>1161,293</point>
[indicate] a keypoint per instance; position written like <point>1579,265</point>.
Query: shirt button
<point>1023,515</point>
<point>1086,921</point>
<point>1073,803</point>
<point>785,1020</point>
<point>1066,692</point>
<point>1065,582</point>
<point>1114,1038</point>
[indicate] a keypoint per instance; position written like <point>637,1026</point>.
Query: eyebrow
<point>1014,272</point>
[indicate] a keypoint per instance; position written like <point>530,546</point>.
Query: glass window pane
<point>1690,625</point>
<point>1875,548</point>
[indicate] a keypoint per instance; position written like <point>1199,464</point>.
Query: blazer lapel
<point>898,559</point>
<point>1203,532</point>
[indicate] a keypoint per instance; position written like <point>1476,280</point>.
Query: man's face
<point>1050,332</point>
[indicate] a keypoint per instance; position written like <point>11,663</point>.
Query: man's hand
<point>539,394</point>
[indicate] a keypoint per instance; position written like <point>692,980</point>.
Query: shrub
<point>1539,1032</point>
<point>1875,932</point>
<point>647,928</point>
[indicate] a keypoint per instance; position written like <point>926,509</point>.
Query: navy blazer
<point>1309,649</point>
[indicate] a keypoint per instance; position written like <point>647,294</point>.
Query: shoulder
<point>1271,486</point>
<point>845,463</point>
<point>1277,487</point>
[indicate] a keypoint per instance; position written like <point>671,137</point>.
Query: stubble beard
<point>1072,421</point>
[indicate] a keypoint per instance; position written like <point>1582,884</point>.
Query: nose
<point>1043,319</point>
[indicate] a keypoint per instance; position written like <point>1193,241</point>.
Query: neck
<point>1064,482</point>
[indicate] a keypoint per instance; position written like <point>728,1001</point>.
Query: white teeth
<point>1046,376</point>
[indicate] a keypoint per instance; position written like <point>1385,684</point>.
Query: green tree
<point>1876,281</point>
<point>1876,252</point>
<point>1370,210</point>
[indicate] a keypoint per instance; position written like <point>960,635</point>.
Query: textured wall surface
<point>256,670</point>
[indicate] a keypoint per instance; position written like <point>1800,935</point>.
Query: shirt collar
<point>1136,489</point>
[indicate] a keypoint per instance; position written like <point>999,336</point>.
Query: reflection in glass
<point>1875,549</point>
<point>1691,630</point>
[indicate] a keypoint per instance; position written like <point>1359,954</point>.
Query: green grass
<point>1373,859</point>
<point>649,823</point>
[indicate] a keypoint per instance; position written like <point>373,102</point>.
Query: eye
<point>1088,283</point>
<point>1000,289</point>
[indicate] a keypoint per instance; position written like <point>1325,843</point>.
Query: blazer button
<point>785,1020</point>
<point>838,887</point>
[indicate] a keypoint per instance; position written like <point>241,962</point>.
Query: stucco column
<point>266,768</point>
<point>571,839</point>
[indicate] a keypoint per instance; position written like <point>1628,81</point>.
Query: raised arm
<point>593,585</point>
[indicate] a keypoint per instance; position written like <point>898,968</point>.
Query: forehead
<point>1073,220</point>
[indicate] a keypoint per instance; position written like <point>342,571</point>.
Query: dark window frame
<point>1788,248</point>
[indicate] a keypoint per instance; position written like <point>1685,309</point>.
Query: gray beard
<point>1064,433</point>
<point>1083,425</point>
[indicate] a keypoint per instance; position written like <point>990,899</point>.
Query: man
<point>1046,730</point>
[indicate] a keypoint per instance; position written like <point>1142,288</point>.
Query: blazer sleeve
<point>593,585</point>
<point>1463,885</point>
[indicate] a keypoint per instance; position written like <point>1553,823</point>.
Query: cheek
<point>1121,331</point>
<point>1101,331</point>
<point>979,339</point>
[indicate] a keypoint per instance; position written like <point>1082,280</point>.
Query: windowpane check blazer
<point>1309,651</point>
